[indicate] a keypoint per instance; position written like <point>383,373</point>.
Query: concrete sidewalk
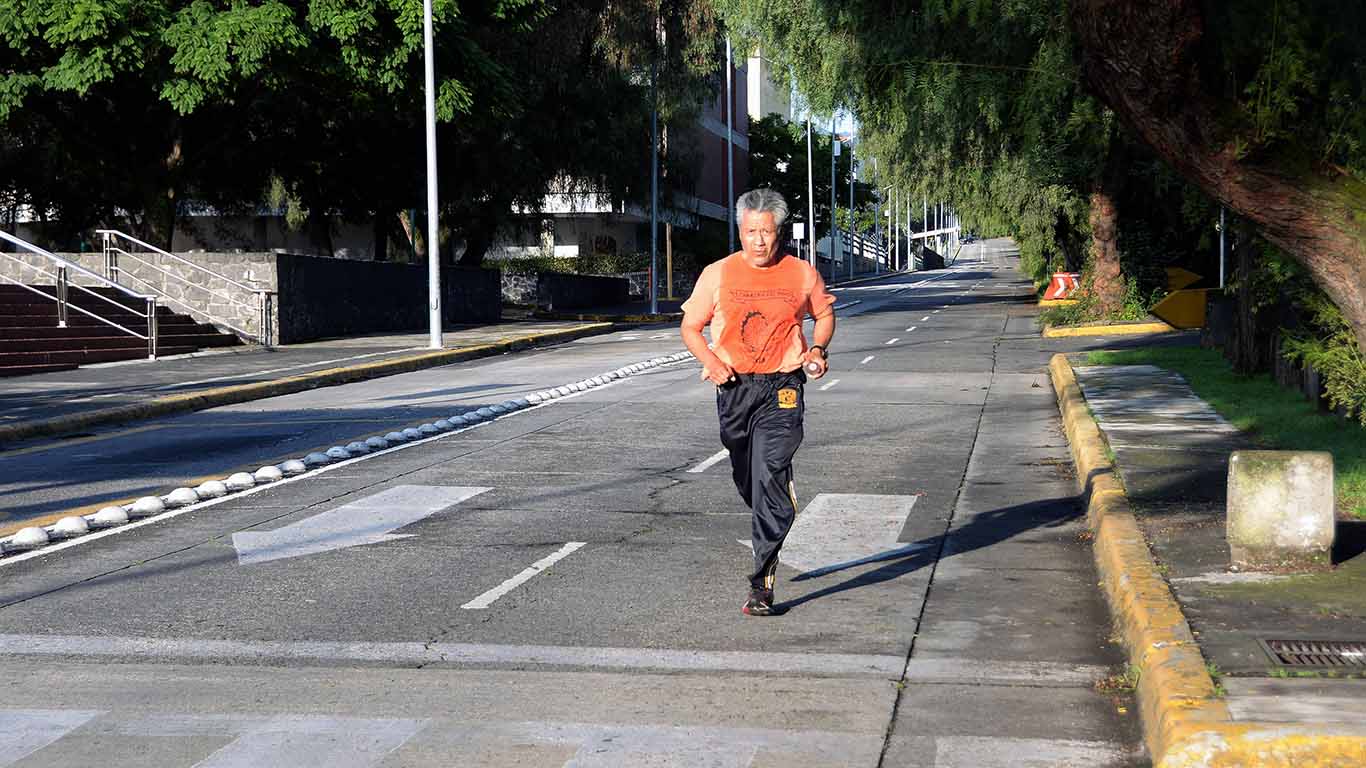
<point>1212,691</point>
<point>68,401</point>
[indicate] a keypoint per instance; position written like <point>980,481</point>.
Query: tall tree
<point>1259,104</point>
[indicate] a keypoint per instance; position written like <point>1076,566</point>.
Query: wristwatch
<point>825,353</point>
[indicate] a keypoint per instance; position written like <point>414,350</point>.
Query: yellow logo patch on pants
<point>787,398</point>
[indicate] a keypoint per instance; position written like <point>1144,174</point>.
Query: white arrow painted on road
<point>840,530</point>
<point>367,521</point>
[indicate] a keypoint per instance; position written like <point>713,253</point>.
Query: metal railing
<point>62,287</point>
<point>259,303</point>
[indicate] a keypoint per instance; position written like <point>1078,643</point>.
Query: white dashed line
<point>865,360</point>
<point>702,467</point>
<point>912,328</point>
<point>923,319</point>
<point>659,336</point>
<point>831,384</point>
<point>486,599</point>
<point>891,342</point>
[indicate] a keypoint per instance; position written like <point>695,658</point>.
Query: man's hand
<point>814,358</point>
<point>716,371</point>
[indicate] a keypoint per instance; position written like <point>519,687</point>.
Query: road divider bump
<point>73,530</point>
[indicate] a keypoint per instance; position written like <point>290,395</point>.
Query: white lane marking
<point>912,328</point>
<point>937,311</point>
<point>367,521</point>
<point>25,731</point>
<point>993,752</point>
<point>418,652</point>
<point>706,463</point>
<point>629,338</point>
<point>180,384</point>
<point>923,319</point>
<point>865,360</point>
<point>840,530</point>
<point>891,341</point>
<point>311,474</point>
<point>831,384</point>
<point>659,336</point>
<point>312,742</point>
<point>488,598</point>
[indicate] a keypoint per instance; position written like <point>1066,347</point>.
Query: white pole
<point>433,255</point>
<point>1221,246</point>
<point>654,190</point>
<point>730,150</point>
<point>834,190</point>
<point>810,194</point>
<point>851,208</point>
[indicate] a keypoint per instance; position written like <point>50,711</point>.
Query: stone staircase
<point>31,342</point>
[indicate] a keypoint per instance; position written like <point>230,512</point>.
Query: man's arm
<point>714,369</point>
<point>820,337</point>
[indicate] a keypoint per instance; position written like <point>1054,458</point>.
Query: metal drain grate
<point>1316,653</point>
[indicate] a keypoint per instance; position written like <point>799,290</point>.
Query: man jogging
<point>755,300</point>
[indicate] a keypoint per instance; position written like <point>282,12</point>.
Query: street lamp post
<point>810,195</point>
<point>433,254</point>
<point>834,222</point>
<point>853,169</point>
<point>730,152</point>
<point>654,188</point>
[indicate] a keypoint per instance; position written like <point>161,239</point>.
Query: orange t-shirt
<point>756,313</point>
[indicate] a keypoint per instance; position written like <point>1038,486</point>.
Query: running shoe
<point>760,602</point>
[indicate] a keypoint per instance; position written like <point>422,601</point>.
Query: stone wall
<point>555,291</point>
<point>322,298</point>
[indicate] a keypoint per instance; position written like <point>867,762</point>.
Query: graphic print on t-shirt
<point>766,318</point>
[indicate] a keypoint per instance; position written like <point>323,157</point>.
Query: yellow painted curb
<point>1185,724</point>
<point>1123,329</point>
<point>241,393</point>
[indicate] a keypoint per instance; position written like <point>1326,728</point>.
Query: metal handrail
<point>263,296</point>
<point>62,285</point>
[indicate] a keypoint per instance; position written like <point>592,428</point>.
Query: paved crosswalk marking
<point>489,597</point>
<point>706,463</point>
<point>841,530</point>
<point>315,741</point>
<point>367,521</point>
<point>25,731</point>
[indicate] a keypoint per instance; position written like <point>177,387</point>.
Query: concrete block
<point>1280,508</point>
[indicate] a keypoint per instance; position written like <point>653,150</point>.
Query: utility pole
<point>434,340</point>
<point>834,222</point>
<point>853,168</point>
<point>810,195</point>
<point>654,188</point>
<point>730,151</point>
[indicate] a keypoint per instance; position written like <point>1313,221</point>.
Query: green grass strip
<point>1276,417</point>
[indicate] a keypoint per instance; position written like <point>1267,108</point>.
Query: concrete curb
<point>241,393</point>
<point>868,279</point>
<point>1126,329</point>
<point>661,317</point>
<point>1185,723</point>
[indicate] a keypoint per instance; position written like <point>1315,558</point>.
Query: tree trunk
<point>1107,281</point>
<point>1242,350</point>
<point>320,231</point>
<point>1142,59</point>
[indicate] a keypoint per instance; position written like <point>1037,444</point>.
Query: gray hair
<point>762,200</point>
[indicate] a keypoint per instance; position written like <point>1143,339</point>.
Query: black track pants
<point>761,425</point>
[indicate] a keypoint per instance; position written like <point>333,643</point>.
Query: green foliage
<point>778,160</point>
<point>1277,417</point>
<point>112,111</point>
<point>1331,348</point>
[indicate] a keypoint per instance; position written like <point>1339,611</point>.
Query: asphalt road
<point>561,587</point>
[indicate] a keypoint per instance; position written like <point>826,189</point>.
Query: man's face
<point>759,237</point>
